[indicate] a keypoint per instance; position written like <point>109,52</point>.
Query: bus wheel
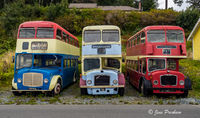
<point>121,91</point>
<point>75,78</point>
<point>185,94</point>
<point>84,91</point>
<point>143,89</point>
<point>57,89</point>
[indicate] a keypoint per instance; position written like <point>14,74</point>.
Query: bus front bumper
<point>118,86</point>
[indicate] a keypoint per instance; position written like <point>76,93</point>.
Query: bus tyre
<point>121,91</point>
<point>84,91</point>
<point>185,94</point>
<point>143,89</point>
<point>57,89</point>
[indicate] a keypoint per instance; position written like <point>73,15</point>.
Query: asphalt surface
<point>99,111</point>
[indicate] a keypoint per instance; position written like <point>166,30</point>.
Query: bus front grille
<point>168,80</point>
<point>100,80</point>
<point>32,79</point>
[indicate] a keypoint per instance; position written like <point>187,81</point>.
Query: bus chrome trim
<point>119,86</point>
<point>33,79</point>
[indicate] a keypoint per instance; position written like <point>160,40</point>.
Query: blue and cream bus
<point>46,58</point>
<point>101,61</point>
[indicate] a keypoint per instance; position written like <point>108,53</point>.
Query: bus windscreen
<point>92,36</point>
<point>45,33</point>
<point>156,36</point>
<point>175,36</point>
<point>110,36</point>
<point>27,33</point>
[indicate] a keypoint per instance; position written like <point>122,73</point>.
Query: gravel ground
<point>71,95</point>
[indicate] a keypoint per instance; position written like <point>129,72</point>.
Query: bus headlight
<point>89,82</point>
<point>155,82</point>
<point>181,82</point>
<point>46,80</point>
<point>19,80</point>
<point>115,81</point>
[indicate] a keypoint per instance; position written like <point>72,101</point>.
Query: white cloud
<point>171,4</point>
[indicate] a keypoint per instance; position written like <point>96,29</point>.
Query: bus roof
<point>44,24</point>
<point>159,27</point>
<point>101,27</point>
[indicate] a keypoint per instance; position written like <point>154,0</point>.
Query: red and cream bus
<point>152,60</point>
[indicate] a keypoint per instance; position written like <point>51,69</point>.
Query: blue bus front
<point>41,72</point>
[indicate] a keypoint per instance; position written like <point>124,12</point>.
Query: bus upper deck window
<point>156,36</point>
<point>59,34</point>
<point>143,37</point>
<point>27,33</point>
<point>45,32</point>
<point>175,36</point>
<point>110,36</point>
<point>92,36</point>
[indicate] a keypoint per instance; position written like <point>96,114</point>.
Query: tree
<point>149,4</point>
<point>193,3</point>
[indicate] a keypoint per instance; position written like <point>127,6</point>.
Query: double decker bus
<point>101,61</point>
<point>46,58</point>
<point>152,60</point>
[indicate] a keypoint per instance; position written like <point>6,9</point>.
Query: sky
<point>171,4</point>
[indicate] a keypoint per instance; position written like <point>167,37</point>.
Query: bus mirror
<point>123,60</point>
<point>79,62</point>
<point>13,59</point>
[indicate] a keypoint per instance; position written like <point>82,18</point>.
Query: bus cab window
<point>171,64</point>
<point>59,34</point>
<point>37,60</point>
<point>113,63</point>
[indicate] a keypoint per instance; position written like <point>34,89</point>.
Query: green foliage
<point>147,5</point>
<point>191,68</point>
<point>159,17</point>
<point>187,19</point>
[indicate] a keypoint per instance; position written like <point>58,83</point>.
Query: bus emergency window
<point>92,36</point>
<point>27,33</point>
